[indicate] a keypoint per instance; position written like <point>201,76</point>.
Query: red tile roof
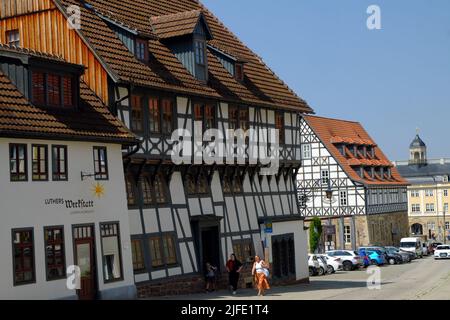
<point>90,121</point>
<point>261,86</point>
<point>332,132</point>
<point>175,24</point>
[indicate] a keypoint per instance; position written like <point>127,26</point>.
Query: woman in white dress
<point>261,271</point>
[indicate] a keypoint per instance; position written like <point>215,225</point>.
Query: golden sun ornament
<point>98,190</point>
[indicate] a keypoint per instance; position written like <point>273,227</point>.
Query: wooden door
<point>84,243</point>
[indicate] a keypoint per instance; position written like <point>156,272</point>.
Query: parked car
<point>350,259</point>
<point>334,264</point>
<point>433,246</point>
<point>413,245</point>
<point>313,264</point>
<point>323,265</point>
<point>406,257</point>
<point>442,252</point>
<point>376,257</point>
<point>391,258</point>
<point>365,257</point>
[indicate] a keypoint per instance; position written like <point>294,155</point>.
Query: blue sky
<point>391,80</point>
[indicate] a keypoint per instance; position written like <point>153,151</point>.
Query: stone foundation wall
<point>372,229</point>
<point>424,221</point>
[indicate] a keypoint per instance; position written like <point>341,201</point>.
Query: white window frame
<point>306,151</point>
<point>324,176</point>
<point>343,198</point>
<point>347,234</point>
<point>415,208</point>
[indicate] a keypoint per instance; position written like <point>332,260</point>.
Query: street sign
<point>268,227</point>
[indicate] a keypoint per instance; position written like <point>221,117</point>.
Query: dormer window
<point>13,37</point>
<point>52,89</point>
<point>201,69</point>
<point>239,71</point>
<point>141,50</point>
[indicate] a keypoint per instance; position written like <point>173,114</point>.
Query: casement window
<point>347,234</point>
<point>153,115</point>
<point>153,190</point>
<point>447,225</point>
<point>59,163</point>
<point>52,89</point>
<point>159,189</point>
<point>325,176</point>
<point>39,162</point>
<point>343,198</point>
<point>306,151</point>
<point>429,207</point>
<point>415,208</point>
<point>239,71</point>
<point>141,50</point>
<point>431,226</point>
<point>201,68</point>
<point>445,193</point>
<point>129,184</point>
<point>415,193</point>
<point>137,254</point>
<point>233,117</point>
<point>100,163</point>
<point>206,113</point>
<point>146,189</point>
<point>238,118</point>
<point>167,116</point>
<point>445,207</point>
<point>244,250</point>
<point>163,250</point>
<point>13,37</point>
<point>232,185</point>
<point>199,187</point>
<point>23,256</point>
<point>279,125</point>
<point>111,252</point>
<point>55,260</point>
<point>137,114</point>
<point>429,193</point>
<point>156,252</point>
<point>18,162</point>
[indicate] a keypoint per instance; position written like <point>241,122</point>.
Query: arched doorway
<point>417,229</point>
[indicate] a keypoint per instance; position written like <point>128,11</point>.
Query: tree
<point>315,233</point>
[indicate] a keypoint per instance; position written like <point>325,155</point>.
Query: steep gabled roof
<point>91,120</point>
<point>260,86</point>
<point>333,131</point>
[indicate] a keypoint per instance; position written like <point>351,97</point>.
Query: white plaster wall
<point>23,206</point>
<point>301,246</point>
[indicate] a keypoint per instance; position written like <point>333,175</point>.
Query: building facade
<point>428,193</point>
<point>348,182</point>
<point>163,66</point>
<point>63,200</point>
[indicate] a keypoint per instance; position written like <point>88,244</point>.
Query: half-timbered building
<point>349,183</point>
<point>63,200</point>
<point>166,65</point>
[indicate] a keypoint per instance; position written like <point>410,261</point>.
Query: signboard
<point>329,230</point>
<point>268,227</point>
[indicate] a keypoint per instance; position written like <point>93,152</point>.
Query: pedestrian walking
<point>234,267</point>
<point>210,277</point>
<point>260,272</point>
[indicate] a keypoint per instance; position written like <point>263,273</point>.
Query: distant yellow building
<point>428,194</point>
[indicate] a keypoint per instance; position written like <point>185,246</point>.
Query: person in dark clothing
<point>234,267</point>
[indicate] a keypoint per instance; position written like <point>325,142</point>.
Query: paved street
<point>425,279</point>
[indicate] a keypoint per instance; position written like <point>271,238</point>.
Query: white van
<point>413,245</point>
